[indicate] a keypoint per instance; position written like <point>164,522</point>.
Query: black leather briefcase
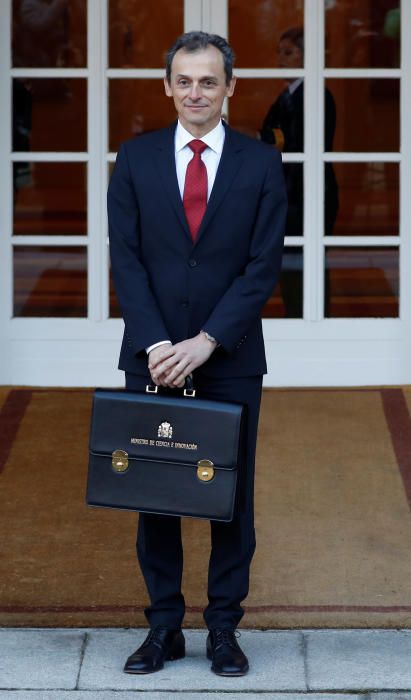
<point>162,453</point>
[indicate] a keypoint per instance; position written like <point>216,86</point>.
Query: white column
<point>405,184</point>
<point>96,107</point>
<point>6,190</point>
<point>192,15</point>
<point>313,167</point>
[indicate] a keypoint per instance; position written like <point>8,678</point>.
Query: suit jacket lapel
<point>166,164</point>
<point>230,162</point>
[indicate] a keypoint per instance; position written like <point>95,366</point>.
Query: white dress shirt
<point>210,157</point>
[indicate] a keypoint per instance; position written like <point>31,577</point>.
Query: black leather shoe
<point>160,645</point>
<point>225,653</point>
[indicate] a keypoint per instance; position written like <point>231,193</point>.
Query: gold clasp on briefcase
<point>119,460</point>
<point>205,470</point>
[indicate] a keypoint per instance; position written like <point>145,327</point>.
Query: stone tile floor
<point>86,664</point>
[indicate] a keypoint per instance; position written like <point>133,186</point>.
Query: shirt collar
<point>294,85</point>
<point>214,138</point>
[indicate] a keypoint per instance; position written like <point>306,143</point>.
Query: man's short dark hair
<point>198,41</point>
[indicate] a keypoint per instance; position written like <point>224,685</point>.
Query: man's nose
<point>195,91</point>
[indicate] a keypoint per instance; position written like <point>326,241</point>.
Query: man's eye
<point>183,83</point>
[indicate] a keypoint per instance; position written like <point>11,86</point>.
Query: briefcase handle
<point>188,387</point>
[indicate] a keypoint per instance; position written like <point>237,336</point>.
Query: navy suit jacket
<point>169,287</point>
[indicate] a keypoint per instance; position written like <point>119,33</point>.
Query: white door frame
<point>314,351</point>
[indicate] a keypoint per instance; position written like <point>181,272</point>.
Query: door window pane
<point>49,114</point>
<point>362,34</point>
<point>50,199</point>
<point>367,114</point>
<point>361,282</point>
<point>367,111</point>
<point>368,196</point>
<point>264,33</point>
<point>49,34</point>
<point>140,32</point>
<point>287,298</point>
<point>137,106</point>
<point>50,281</point>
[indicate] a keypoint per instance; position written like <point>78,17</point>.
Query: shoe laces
<point>155,636</point>
<point>227,636</point>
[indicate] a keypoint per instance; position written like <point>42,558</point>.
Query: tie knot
<point>197,146</point>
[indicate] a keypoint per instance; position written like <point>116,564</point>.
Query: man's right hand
<point>155,358</point>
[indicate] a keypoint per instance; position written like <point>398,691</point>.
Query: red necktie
<point>195,188</point>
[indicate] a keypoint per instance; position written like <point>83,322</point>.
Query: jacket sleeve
<point>144,324</point>
<point>243,301</point>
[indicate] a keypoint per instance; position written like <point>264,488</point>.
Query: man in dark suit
<point>196,219</point>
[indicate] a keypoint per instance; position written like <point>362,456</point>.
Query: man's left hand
<point>185,358</point>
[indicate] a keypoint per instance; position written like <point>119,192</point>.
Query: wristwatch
<point>210,338</point>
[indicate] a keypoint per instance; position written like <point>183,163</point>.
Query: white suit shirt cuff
<point>157,345</point>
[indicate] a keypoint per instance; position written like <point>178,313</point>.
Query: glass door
<point>328,83</point>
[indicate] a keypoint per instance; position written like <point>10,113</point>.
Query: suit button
<point>192,262</point>
<point>184,304</point>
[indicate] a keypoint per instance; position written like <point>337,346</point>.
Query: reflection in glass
<point>113,303</point>
<point>50,281</point>
<point>283,127</point>
<point>140,33</point>
<point>53,201</point>
<point>255,29</point>
<point>362,282</point>
<point>294,182</point>
<point>369,199</point>
<point>280,125</point>
<point>137,106</point>
<point>49,33</point>
<point>49,114</point>
<point>114,308</point>
<point>251,102</point>
<point>362,34</point>
<point>287,298</point>
<point>368,114</point>
<point>284,122</point>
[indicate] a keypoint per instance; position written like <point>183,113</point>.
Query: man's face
<point>198,87</point>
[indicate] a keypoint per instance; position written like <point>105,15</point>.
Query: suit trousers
<point>159,545</point>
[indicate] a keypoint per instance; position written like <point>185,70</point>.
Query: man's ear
<point>167,88</point>
<point>231,87</point>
